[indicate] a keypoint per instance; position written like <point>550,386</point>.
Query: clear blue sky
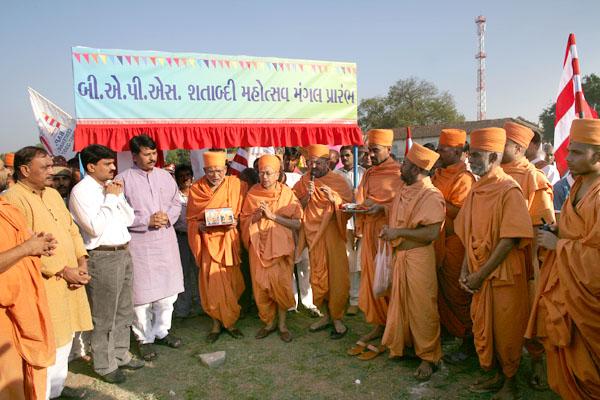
<point>389,40</point>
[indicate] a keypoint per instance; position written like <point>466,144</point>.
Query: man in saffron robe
<point>321,193</point>
<point>217,248</point>
<point>26,335</point>
<point>566,311</point>
<point>538,195</point>
<point>376,192</point>
<point>494,226</point>
<point>415,219</point>
<point>454,181</point>
<point>269,215</point>
<point>65,272</point>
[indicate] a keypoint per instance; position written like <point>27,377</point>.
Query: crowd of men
<point>478,245</point>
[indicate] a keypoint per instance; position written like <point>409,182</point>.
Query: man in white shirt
<point>352,242</point>
<point>536,156</point>
<point>100,210</point>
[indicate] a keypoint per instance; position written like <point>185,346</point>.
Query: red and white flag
<point>239,162</point>
<point>244,158</point>
<point>409,141</point>
<point>570,103</point>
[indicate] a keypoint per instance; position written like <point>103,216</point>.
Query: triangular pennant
<point>274,65</point>
<point>87,57</point>
<point>301,67</point>
<point>214,63</point>
<point>281,66</point>
<point>77,57</point>
<point>314,68</point>
<point>207,63</point>
<point>95,57</point>
<point>192,62</point>
<point>161,61</point>
<point>176,60</point>
<point>343,69</point>
<point>128,58</point>
<point>254,64</point>
<point>136,59</point>
<point>227,63</point>
<point>221,63</point>
<point>242,64</point>
<point>103,58</point>
<point>120,58</point>
<point>169,60</point>
<point>153,59</point>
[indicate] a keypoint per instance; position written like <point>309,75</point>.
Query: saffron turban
<point>453,137</point>
<point>422,157</point>
<point>318,150</point>
<point>9,159</point>
<point>381,137</point>
<point>586,131</point>
<point>518,133</point>
<point>269,160</point>
<point>489,139</point>
<point>214,159</point>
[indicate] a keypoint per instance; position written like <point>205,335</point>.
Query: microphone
<point>312,175</point>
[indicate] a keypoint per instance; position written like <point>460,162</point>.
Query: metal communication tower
<point>481,56</point>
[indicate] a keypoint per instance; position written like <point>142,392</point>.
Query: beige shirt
<point>45,211</point>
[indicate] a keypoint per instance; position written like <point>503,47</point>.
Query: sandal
<point>425,378</point>
<point>335,335</point>
<point>147,351</point>
<point>358,348</point>
<point>286,336</point>
<point>372,352</point>
<point>235,333</point>
<point>264,332</point>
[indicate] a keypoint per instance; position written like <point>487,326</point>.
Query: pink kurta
<point>157,271</point>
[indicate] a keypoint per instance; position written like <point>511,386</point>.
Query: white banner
<point>55,125</point>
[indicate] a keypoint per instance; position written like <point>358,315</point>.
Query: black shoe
<point>133,364</point>
<point>117,376</point>
<point>73,393</point>
<point>169,340</point>
<point>147,351</point>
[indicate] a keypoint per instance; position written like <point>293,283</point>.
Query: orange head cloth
<point>488,139</point>
<point>381,137</point>
<point>586,131</point>
<point>9,159</point>
<point>422,157</point>
<point>518,133</point>
<point>453,137</point>
<point>269,160</point>
<point>318,150</point>
<point>214,159</point>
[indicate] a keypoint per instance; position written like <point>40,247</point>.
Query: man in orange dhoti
<point>454,181</point>
<point>217,248</point>
<point>494,226</point>
<point>538,195</point>
<point>269,215</point>
<point>376,192</point>
<point>566,311</point>
<point>321,193</point>
<point>26,335</point>
<point>415,220</point>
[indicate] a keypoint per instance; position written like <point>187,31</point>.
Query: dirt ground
<point>310,367</point>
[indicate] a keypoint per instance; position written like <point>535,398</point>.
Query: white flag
<point>56,127</point>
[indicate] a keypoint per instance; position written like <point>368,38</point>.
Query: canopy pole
<point>355,157</point>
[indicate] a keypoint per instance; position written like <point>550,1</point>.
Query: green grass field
<point>310,367</point>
